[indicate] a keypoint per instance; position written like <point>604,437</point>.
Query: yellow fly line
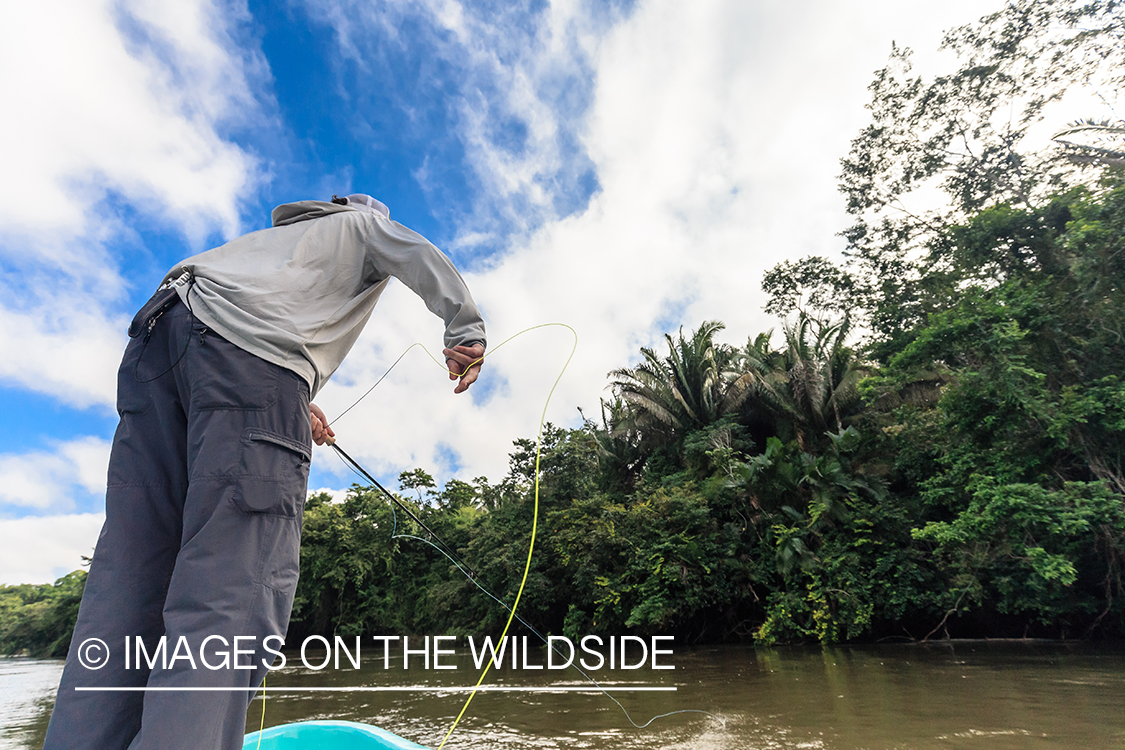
<point>534,516</point>
<point>262,728</point>
<point>535,511</point>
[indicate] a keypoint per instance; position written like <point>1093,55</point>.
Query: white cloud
<point>47,479</point>
<point>101,111</point>
<point>42,549</point>
<point>716,129</point>
<point>516,77</point>
<point>337,496</point>
<point>65,349</point>
<point>413,415</point>
<point>109,102</point>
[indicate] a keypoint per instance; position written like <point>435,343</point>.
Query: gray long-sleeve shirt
<point>299,293</point>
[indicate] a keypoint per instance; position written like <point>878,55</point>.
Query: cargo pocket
<point>273,474</point>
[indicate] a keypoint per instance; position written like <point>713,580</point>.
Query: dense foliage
<point>958,470</point>
<point>963,477</point>
<point>38,620</point>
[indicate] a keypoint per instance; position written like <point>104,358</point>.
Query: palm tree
<point>1094,141</point>
<point>811,384</point>
<point>693,386</point>
<point>621,448</point>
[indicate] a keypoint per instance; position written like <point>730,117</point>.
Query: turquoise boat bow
<point>328,735</point>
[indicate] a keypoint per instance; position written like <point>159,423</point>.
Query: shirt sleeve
<point>395,250</point>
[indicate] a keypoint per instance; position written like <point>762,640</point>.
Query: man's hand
<point>463,363</point>
<point>320,429</point>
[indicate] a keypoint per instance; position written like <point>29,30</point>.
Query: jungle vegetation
<point>929,444</point>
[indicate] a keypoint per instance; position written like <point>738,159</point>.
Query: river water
<point>967,694</point>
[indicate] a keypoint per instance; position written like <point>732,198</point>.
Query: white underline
<point>483,688</point>
<point>383,689</point>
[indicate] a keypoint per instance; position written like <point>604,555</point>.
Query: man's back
<point>299,293</point>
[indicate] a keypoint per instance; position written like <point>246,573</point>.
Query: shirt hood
<point>291,213</point>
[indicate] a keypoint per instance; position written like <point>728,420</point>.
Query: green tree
<point>811,385</point>
<point>967,136</point>
<point>1049,557</point>
<point>347,557</point>
<point>39,620</point>
<point>693,386</point>
<point>1029,422</point>
<point>1089,141</point>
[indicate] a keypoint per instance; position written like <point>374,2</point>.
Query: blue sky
<point>625,168</point>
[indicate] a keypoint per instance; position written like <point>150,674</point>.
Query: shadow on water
<point>966,694</point>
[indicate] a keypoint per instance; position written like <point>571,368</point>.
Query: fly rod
<point>351,462</point>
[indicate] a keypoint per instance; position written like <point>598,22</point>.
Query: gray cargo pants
<point>207,482</point>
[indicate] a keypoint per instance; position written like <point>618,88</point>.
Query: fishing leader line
<point>450,554</point>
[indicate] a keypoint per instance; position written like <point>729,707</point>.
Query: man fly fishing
<point>209,468</point>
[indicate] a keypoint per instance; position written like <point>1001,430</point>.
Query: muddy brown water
<point>994,695</point>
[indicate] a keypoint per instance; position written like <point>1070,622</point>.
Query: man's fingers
<point>463,363</point>
<point>467,379</point>
<point>321,430</point>
<point>465,355</point>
